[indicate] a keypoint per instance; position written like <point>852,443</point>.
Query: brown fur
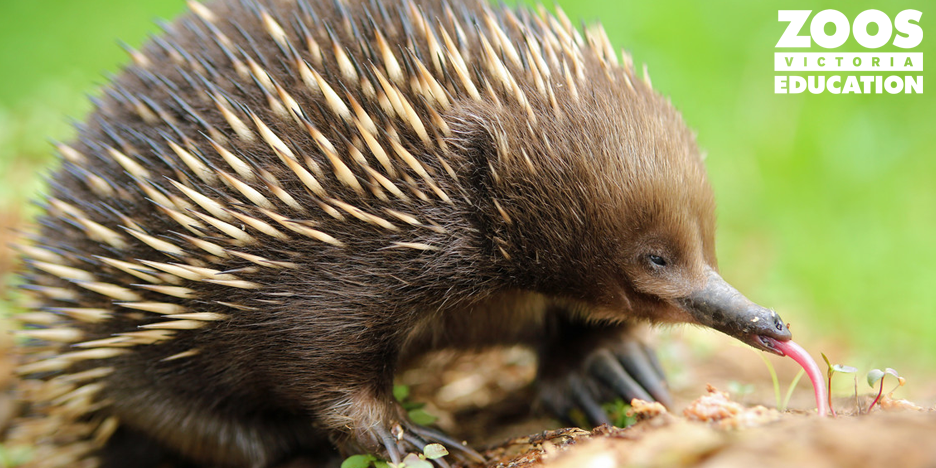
<point>550,221</point>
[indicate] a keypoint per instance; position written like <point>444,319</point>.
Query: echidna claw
<point>458,449</point>
<point>389,443</point>
<point>626,369</point>
<point>407,437</point>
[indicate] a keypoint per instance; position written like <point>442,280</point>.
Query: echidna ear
<point>478,140</point>
<point>720,306</point>
<point>473,133</point>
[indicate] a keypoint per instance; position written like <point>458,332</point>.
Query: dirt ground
<point>485,399</point>
<point>875,440</point>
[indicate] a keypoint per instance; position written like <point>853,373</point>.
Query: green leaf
<point>789,392</point>
<point>412,405</point>
<point>617,412</point>
<point>829,370</point>
<point>740,389</point>
<point>773,377</point>
<point>433,451</point>
<point>844,369</point>
<point>400,392</point>
<point>381,464</point>
<point>874,375</point>
<point>421,417</point>
<point>358,461</point>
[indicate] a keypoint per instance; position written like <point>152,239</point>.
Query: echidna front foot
<point>586,366</point>
<point>369,420</point>
<point>402,438</point>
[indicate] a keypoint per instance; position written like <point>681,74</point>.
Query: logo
<point>849,72</point>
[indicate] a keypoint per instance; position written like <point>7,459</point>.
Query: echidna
<point>279,201</point>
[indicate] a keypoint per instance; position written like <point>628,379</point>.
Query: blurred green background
<point>827,203</point>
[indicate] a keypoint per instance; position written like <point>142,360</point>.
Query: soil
<point>875,440</point>
<point>485,399</point>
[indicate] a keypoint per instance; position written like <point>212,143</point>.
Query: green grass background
<point>827,203</point>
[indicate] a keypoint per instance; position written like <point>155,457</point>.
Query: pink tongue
<point>803,358</point>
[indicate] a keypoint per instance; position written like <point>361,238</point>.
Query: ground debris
<point>644,410</point>
<point>717,407</point>
<point>715,432</point>
<point>888,403</point>
<point>879,439</point>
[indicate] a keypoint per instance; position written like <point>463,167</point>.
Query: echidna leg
<point>381,426</point>
<point>582,366</point>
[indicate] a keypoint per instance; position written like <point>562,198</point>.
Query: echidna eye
<point>657,260</point>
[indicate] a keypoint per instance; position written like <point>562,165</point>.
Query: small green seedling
<point>618,411</point>
<point>876,375</point>
<point>415,410</point>
<point>789,392</point>
<point>435,451</point>
<point>363,461</point>
<point>401,392</point>
<point>833,368</point>
<point>739,389</point>
<point>781,404</point>
<point>773,378</point>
